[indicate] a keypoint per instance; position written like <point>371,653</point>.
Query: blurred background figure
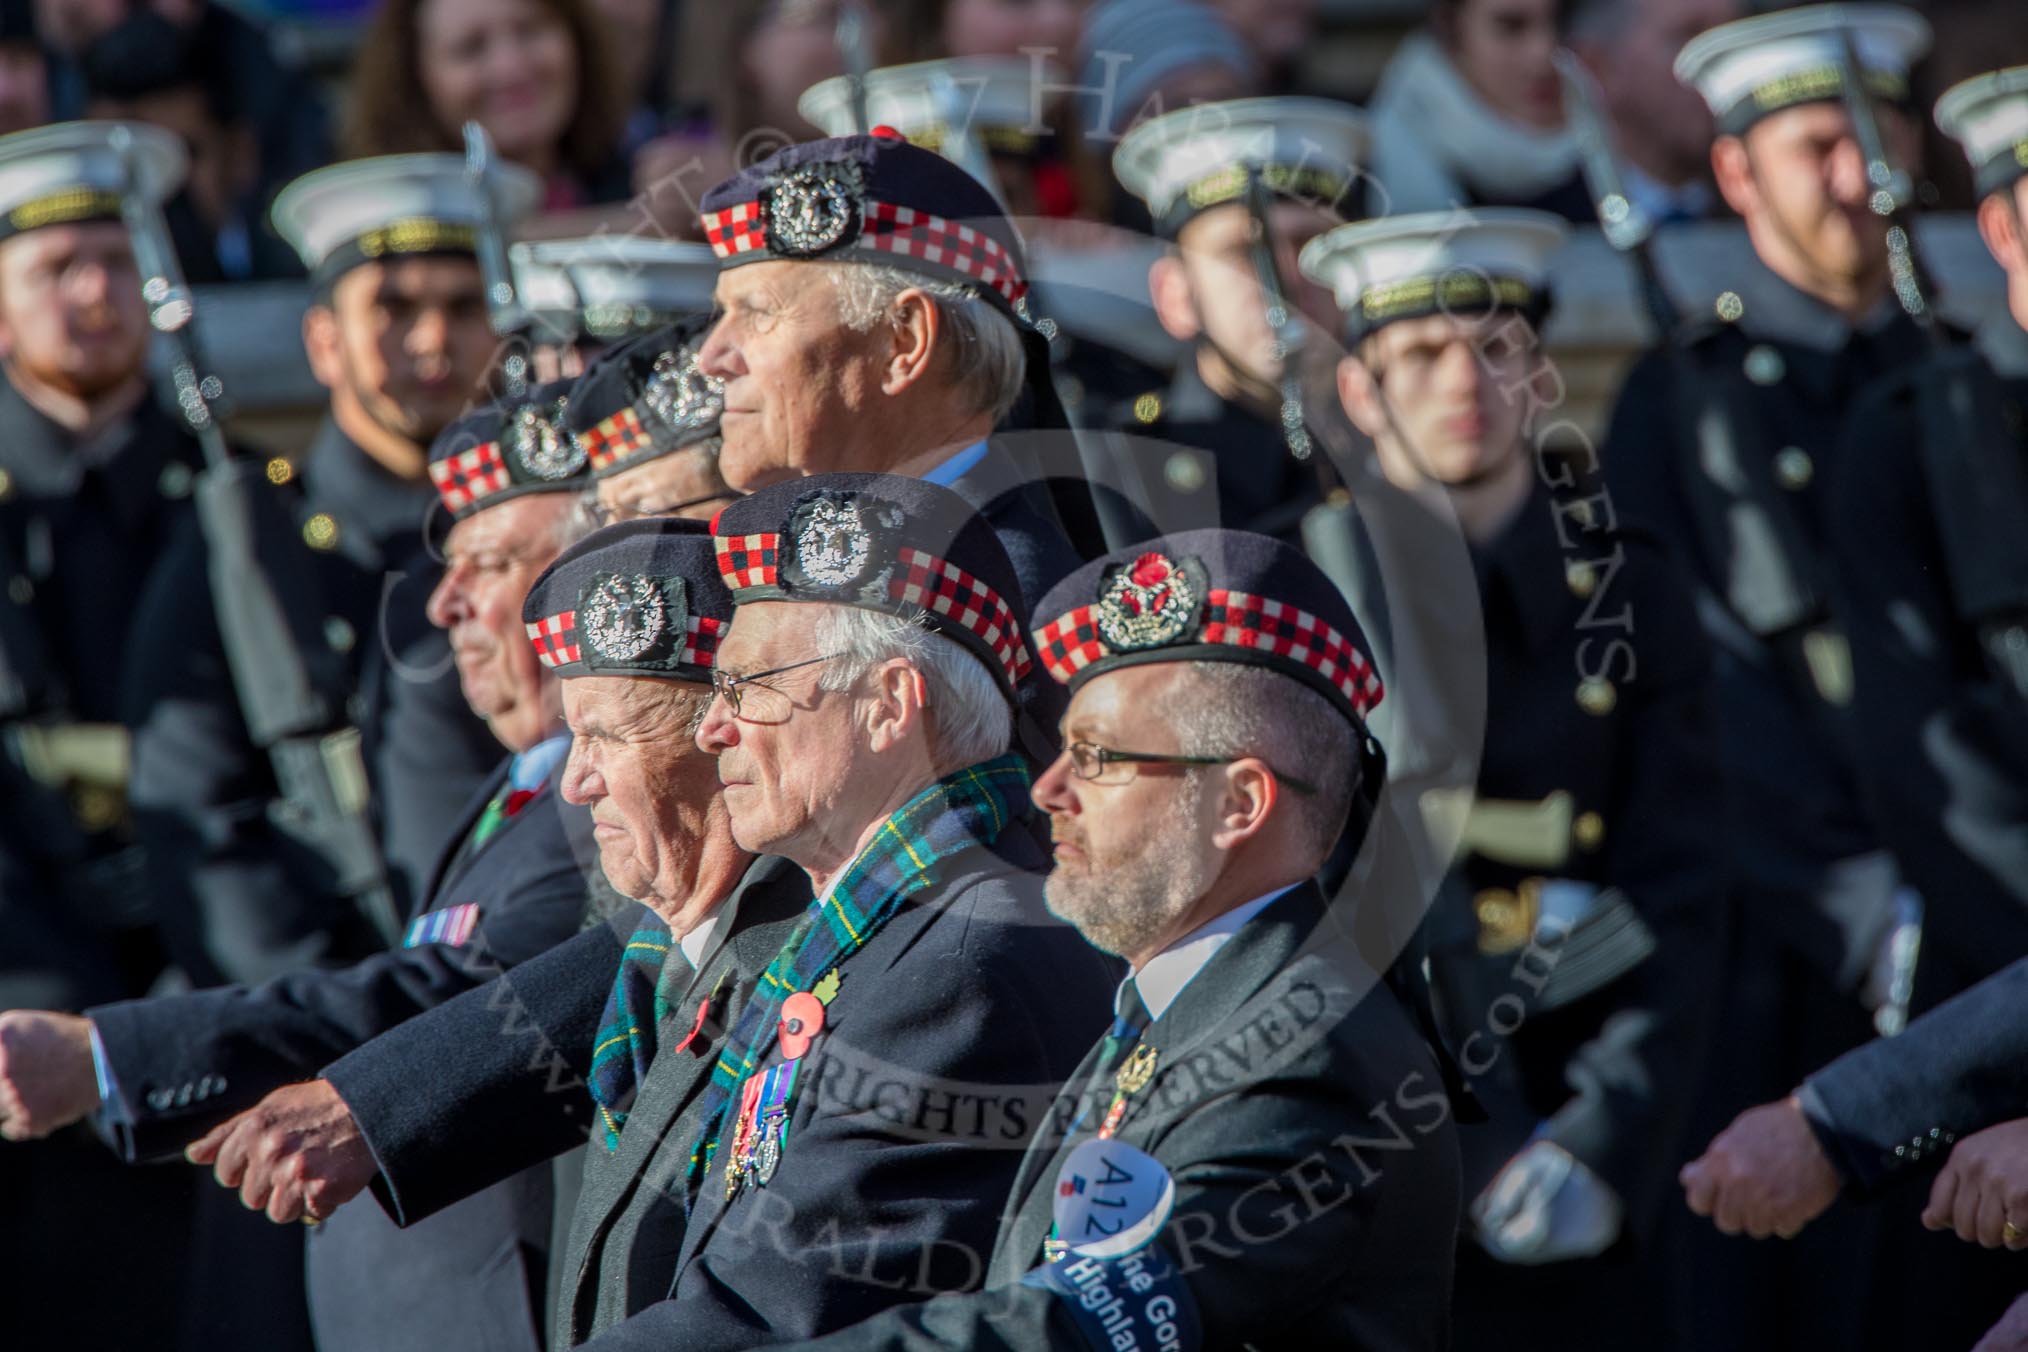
<point>533,73</point>
<point>1661,129</point>
<point>148,69</point>
<point>276,98</point>
<point>24,69</point>
<point>1141,58</point>
<point>1471,112</point>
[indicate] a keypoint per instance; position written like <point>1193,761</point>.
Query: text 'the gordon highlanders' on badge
<point>638,599</point>
<point>880,542</point>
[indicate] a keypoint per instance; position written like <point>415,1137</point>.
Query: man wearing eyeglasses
<point>748,1183</point>
<point>1260,1151</point>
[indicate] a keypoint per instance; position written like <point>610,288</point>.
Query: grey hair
<point>987,362</point>
<point>1233,711</point>
<point>970,719</point>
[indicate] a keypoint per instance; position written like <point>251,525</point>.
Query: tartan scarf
<point>626,1039</point>
<point>952,815</point>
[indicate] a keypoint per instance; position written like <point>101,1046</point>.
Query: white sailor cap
<point>611,286</point>
<point>74,171</point>
<point>998,100</point>
<point>366,210</point>
<point>1197,157</point>
<point>1750,68</point>
<point>1988,116</point>
<point>1437,262</point>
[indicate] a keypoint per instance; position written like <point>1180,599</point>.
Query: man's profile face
<point>633,763</point>
<point>1216,253</point>
<point>491,559</point>
<point>685,482</point>
<point>1809,185</point>
<point>795,376</point>
<point>785,759</point>
<point>1456,388</point>
<point>414,344</point>
<point>71,313</point>
<point>1131,848</point>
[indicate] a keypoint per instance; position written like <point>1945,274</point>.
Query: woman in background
<point>533,73</point>
<point>1471,112</point>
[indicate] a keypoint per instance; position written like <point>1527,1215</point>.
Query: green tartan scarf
<point>971,807</point>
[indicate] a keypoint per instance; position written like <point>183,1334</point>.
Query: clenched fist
<point>47,1080</point>
<point>1765,1174</point>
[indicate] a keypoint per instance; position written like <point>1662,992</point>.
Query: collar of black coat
<point>1525,571</point>
<point>1256,953</point>
<point>372,508</point>
<point>138,460</point>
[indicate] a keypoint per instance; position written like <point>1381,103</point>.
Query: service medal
<point>1139,1069</point>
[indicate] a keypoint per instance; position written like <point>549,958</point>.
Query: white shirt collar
<point>1163,977</point>
<point>702,942</point>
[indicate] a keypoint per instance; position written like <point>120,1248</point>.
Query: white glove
<point>1545,1207</point>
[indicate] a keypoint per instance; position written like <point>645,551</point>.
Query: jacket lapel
<point>1202,1011</point>
<point>456,856</point>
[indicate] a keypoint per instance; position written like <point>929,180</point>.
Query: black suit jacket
<point>952,1027</point>
<point>1309,1138</point>
<point>1894,1107</point>
<point>184,1063</point>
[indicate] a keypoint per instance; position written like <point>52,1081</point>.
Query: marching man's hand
<point>1984,1187</point>
<point>47,1080</point>
<point>1764,1175</point>
<point>297,1154</point>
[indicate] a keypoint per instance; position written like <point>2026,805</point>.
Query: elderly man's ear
<point>896,706</point>
<point>913,337</point>
<point>1248,799</point>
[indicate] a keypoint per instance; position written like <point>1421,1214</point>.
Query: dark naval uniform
<point>81,528</point>
<point>1200,460</point>
<point>1816,889</point>
<point>244,901</point>
<point>1943,755</point>
<point>1588,905</point>
<point>184,1063</point>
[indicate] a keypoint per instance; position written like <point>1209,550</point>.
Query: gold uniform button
<point>1764,365</point>
<point>339,633</point>
<point>1581,576</point>
<point>6,485</point>
<point>1184,473</point>
<point>321,532</point>
<point>1794,469</point>
<point>20,590</point>
<point>280,471</point>
<point>1597,696</point>
<point>1730,307</point>
<point>1507,919</point>
<point>174,481</point>
<point>1588,831</point>
<point>1147,408</point>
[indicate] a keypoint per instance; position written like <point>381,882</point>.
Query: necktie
<point>653,974</point>
<point>1129,1023</point>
